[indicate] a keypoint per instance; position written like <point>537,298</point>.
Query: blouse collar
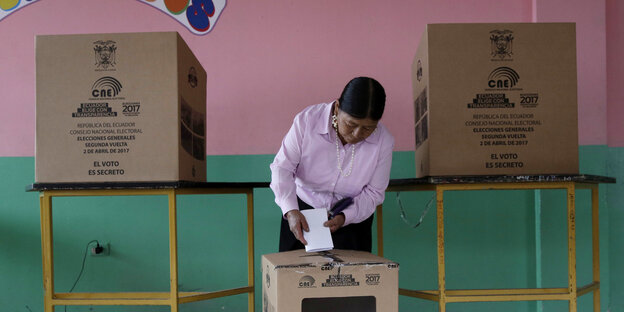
<point>324,127</point>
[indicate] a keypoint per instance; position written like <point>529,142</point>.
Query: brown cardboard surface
<point>300,281</point>
<point>498,99</point>
<point>119,107</point>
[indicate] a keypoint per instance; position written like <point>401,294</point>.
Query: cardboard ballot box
<point>493,99</point>
<point>336,280</point>
<point>119,107</point>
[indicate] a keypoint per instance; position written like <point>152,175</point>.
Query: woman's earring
<point>335,121</point>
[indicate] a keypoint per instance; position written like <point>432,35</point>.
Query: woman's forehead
<point>365,122</point>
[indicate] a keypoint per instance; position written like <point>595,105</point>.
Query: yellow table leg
<point>571,247</point>
<point>46,251</point>
<point>441,265</point>
<point>173,252</point>
<point>250,250</point>
<point>596,245</point>
<point>43,230</point>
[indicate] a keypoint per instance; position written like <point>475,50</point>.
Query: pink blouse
<point>307,166</point>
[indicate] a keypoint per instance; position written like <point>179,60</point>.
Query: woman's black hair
<point>363,97</point>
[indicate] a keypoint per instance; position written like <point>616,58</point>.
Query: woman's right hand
<point>298,224</point>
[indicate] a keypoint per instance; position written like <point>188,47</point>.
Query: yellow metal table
<point>171,189</point>
<point>566,182</point>
<point>437,184</point>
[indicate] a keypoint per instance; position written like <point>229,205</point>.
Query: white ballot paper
<point>319,237</point>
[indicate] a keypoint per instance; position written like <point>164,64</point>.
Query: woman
<point>335,151</point>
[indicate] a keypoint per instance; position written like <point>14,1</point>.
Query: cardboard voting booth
<point>119,107</point>
<point>493,99</point>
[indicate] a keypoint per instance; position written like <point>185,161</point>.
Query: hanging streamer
<point>8,7</point>
<point>198,16</point>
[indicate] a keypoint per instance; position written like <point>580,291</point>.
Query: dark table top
<point>579,178</point>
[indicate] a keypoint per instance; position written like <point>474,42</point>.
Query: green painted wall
<point>615,232</point>
<point>491,239</point>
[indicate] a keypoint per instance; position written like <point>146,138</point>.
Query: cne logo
<point>106,87</point>
<point>501,43</point>
<point>105,53</point>
<point>503,78</point>
<point>307,281</point>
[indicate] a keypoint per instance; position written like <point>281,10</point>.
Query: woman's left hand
<point>335,223</point>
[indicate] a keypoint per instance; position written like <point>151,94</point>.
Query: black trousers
<point>355,236</point>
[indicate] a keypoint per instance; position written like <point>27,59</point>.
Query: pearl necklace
<point>338,157</point>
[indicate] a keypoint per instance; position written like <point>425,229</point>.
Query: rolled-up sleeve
<point>373,193</point>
